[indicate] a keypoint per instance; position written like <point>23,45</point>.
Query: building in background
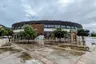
<point>46,27</point>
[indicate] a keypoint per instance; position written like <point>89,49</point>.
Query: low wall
<point>3,41</point>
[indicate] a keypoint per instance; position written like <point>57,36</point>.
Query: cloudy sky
<point>80,11</point>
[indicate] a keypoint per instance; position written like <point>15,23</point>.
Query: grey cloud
<point>11,11</point>
<point>80,11</point>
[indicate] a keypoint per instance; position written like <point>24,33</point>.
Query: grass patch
<point>9,49</point>
<point>80,48</point>
<point>63,52</point>
<point>72,52</point>
<point>25,56</point>
<point>76,53</point>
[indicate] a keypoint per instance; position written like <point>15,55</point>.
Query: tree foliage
<point>8,32</point>
<point>5,31</point>
<point>93,34</point>
<point>2,31</point>
<point>59,33</point>
<point>83,32</point>
<point>21,34</point>
<point>29,32</point>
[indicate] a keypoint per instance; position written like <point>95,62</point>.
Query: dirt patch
<point>25,56</point>
<point>12,50</point>
<point>80,48</point>
<point>64,52</point>
<point>76,53</point>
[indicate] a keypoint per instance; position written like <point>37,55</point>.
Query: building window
<point>72,27</point>
<point>22,27</point>
<point>68,27</point>
<point>13,28</point>
<point>45,26</point>
<point>62,26</point>
<point>75,27</point>
<point>57,26</point>
<point>50,26</point>
<point>18,28</point>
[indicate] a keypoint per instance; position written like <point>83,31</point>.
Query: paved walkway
<point>88,57</point>
<point>37,56</point>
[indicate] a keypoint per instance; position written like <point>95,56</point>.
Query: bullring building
<point>46,27</point>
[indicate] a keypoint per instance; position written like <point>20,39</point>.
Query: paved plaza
<point>46,55</point>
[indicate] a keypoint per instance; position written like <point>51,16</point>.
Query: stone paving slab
<point>83,60</point>
<point>87,56</point>
<point>44,60</point>
<point>37,56</point>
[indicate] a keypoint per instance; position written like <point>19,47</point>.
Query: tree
<point>29,32</point>
<point>6,32</point>
<point>2,31</point>
<point>9,32</point>
<point>93,34</point>
<point>82,33</point>
<point>59,33</point>
<point>21,34</point>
